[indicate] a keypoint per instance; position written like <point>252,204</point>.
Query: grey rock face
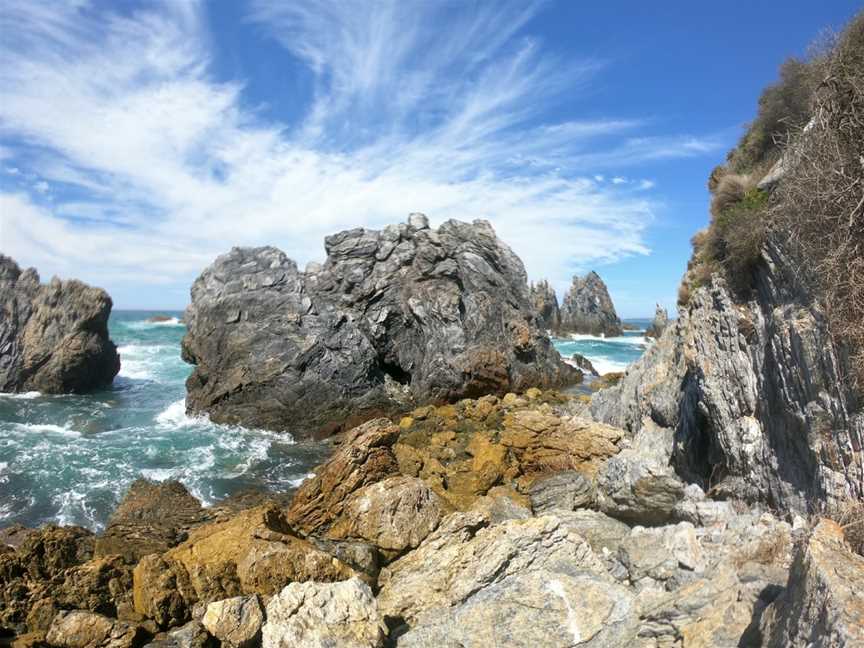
<point>236,622</point>
<point>755,395</point>
<point>587,308</point>
<point>53,337</point>
<point>822,604</point>
<point>545,304</point>
<point>659,323</point>
<point>566,490</point>
<point>394,317</point>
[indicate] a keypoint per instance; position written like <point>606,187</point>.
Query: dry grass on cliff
<point>850,517</point>
<point>820,202</point>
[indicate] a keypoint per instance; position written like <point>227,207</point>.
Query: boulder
<point>151,518</point>
<point>324,615</point>
<point>567,490</point>
<point>79,629</point>
<point>395,514</point>
<point>254,552</point>
<point>544,303</point>
<point>822,604</point>
<point>587,308</point>
<point>365,457</point>
<point>669,553</point>
<point>639,485</point>
<point>583,364</point>
<point>191,635</point>
<point>53,337</point>
<point>603,533</point>
<point>236,622</point>
<point>533,608</point>
<point>102,585</point>
<point>404,315</point>
<point>465,555</point>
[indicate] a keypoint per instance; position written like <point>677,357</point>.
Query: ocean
<point>69,459</point>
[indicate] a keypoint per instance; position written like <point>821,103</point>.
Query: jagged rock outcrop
<point>544,301</point>
<point>755,394</point>
<point>393,317</point>
<point>822,604</point>
<point>587,308</point>
<point>53,337</point>
<point>658,324</point>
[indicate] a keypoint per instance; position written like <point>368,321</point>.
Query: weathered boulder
<point>669,553</point>
<point>406,314</point>
<point>658,324</point>
<point>53,337</point>
<point>151,518</point>
<point>191,635</point>
<point>365,457</point>
<point>566,490</point>
<point>79,629</point>
<point>324,615</point>
<point>395,514</point>
<point>639,485</point>
<point>533,608</point>
<point>254,552</point>
<point>544,302</point>
<point>602,532</point>
<point>236,622</point>
<point>755,393</point>
<point>583,364</point>
<point>823,603</point>
<point>464,555</point>
<point>587,308</point>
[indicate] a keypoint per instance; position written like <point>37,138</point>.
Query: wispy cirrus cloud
<point>142,164</point>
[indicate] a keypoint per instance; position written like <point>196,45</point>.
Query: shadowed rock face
<point>587,308</point>
<point>53,337</point>
<point>754,392</point>
<point>394,317</point>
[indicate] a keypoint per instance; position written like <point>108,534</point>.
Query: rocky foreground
<point>394,318</point>
<point>509,521</point>
<point>53,337</point>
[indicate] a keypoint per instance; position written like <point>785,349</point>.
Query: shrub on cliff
<point>819,205</point>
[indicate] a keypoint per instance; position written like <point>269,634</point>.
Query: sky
<point>138,141</point>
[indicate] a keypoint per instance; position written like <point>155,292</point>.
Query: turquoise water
<point>69,459</point>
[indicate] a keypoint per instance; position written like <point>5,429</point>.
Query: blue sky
<point>139,141</point>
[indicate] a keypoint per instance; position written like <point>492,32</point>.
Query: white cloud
<point>123,110</point>
<point>618,180</point>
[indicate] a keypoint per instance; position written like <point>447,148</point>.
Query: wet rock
<point>587,308</point>
<point>53,337</point>
<point>322,615</point>
<point>464,555</point>
<point>544,302</point>
<point>88,630</point>
<point>254,552</point>
<point>583,364</point>
<point>236,622</point>
<point>658,324</point>
<point>554,609</point>
<point>822,603</point>
<point>567,490</point>
<point>151,518</point>
<point>404,315</point>
<point>394,514</point>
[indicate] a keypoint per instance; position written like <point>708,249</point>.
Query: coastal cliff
<point>395,317</point>
<point>587,308</point>
<point>544,301</point>
<point>53,337</point>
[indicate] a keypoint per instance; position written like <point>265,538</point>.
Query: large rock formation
<point>659,323</point>
<point>53,337</point>
<point>406,314</point>
<point>755,394</point>
<point>545,305</point>
<point>587,308</point>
